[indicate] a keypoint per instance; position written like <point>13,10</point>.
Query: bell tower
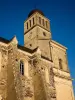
<point>37,32</point>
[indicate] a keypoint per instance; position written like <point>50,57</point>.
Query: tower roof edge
<point>35,10</point>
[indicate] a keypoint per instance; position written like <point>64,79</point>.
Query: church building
<point>39,69</point>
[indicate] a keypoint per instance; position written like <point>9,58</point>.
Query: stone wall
<point>40,79</point>
<point>3,71</point>
<point>59,52</point>
<point>43,81</point>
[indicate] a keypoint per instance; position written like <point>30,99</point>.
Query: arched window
<point>60,63</point>
<point>22,67</point>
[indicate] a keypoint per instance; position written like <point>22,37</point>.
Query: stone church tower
<point>39,69</point>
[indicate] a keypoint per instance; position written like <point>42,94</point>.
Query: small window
<point>43,22</point>
<point>60,63</point>
<point>30,22</point>
<point>33,21</point>
<point>30,45</point>
<point>44,33</point>
<point>27,25</point>
<point>22,67</point>
<point>40,20</point>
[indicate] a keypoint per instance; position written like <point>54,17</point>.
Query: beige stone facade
<point>39,69</point>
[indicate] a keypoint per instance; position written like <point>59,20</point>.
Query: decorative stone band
<point>61,74</point>
<point>68,78</point>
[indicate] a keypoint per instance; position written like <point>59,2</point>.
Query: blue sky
<point>60,12</point>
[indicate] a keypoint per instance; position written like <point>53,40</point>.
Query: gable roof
<point>4,40</point>
<point>27,49</point>
<point>19,46</point>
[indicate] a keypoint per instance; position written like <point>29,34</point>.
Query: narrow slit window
<point>33,21</point>
<point>21,68</point>
<point>39,20</point>
<point>60,63</point>
<point>27,25</point>
<point>30,22</point>
<point>43,22</point>
<point>46,24</point>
